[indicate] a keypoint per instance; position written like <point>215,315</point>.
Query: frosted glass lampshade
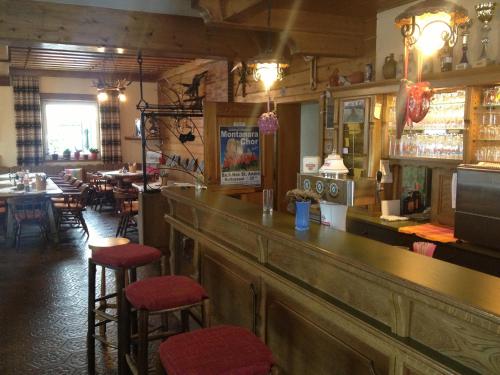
<point>334,165</point>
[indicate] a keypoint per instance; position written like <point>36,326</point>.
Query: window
<point>70,124</point>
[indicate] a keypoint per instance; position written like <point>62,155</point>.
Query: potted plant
<point>93,153</point>
<point>77,154</point>
<point>67,154</point>
<point>85,156</point>
<point>54,156</point>
<point>300,200</point>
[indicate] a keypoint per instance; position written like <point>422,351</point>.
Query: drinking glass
<point>267,201</point>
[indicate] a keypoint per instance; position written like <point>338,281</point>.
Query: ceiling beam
<point>83,74</point>
<point>31,23</point>
<point>314,44</point>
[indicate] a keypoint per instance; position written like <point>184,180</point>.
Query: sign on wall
<point>240,155</point>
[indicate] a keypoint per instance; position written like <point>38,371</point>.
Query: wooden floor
<point>43,304</point>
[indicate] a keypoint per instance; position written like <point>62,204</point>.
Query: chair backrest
<point>28,207</point>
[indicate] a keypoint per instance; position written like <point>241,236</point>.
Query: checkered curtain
<point>109,116</point>
<point>28,120</point>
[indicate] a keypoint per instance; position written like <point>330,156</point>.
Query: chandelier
<point>105,88</point>
<point>109,86</point>
<point>267,67</point>
<point>431,24</point>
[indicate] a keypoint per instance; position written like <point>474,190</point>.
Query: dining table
<point>121,176</point>
<point>8,192</point>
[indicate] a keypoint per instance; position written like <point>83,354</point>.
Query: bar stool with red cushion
<point>122,259</point>
<point>221,350</point>
<point>153,296</point>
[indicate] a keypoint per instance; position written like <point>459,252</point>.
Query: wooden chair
<point>70,212</point>
<point>31,209</point>
<point>127,204</point>
<point>103,191</point>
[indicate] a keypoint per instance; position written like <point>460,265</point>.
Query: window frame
<point>47,98</point>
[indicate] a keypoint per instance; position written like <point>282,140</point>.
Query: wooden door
<point>287,151</point>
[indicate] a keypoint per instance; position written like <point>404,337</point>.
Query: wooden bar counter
<point>330,302</point>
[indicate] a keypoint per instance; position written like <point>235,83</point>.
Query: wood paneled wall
<point>219,86</point>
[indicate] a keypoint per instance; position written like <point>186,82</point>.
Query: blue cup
<point>302,215</point>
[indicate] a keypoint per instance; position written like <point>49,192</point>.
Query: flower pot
<point>55,156</point>
<point>93,156</point>
<point>66,156</point>
<point>302,215</point>
<point>77,155</point>
<point>85,156</point>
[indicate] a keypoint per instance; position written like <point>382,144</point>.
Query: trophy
<point>464,61</point>
<point>485,12</point>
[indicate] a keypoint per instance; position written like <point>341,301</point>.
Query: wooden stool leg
<point>133,314</point>
<point>185,320</point>
<point>103,304</point>
<point>124,329</point>
<point>205,313</point>
<point>120,284</point>
<point>142,355</point>
<point>91,319</point>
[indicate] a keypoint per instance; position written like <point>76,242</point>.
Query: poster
<point>240,155</point>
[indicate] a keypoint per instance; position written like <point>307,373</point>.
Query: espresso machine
<point>337,191</point>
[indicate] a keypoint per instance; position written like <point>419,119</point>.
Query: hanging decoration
<point>427,26</point>
<point>268,122</point>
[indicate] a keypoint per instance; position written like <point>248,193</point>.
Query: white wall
<point>131,149</point>
<point>8,152</point>
<point>390,40</point>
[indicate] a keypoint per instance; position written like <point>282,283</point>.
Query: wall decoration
<point>354,111</point>
<point>240,155</point>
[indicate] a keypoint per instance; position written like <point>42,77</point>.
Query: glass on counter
<point>491,97</point>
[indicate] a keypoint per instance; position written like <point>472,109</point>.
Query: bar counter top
<point>459,285</point>
<point>417,297</point>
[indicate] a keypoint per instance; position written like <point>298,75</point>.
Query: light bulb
<point>122,97</point>
<point>102,96</point>
<point>267,73</point>
<point>432,29</point>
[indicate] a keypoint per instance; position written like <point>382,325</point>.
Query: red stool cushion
<point>129,255</point>
<point>164,292</point>
<point>222,350</point>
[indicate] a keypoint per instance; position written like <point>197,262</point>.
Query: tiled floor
<point>43,304</point>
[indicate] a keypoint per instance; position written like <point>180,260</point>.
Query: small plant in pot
<point>54,155</point>
<point>77,154</point>
<point>85,156</point>
<point>299,201</point>
<point>93,153</point>
<point>67,154</point>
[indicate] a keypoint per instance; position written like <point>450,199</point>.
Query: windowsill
<point>72,161</point>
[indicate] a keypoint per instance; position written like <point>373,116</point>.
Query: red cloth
<point>164,292</point>
<point>431,232</point>
<point>129,255</point>
<point>222,350</point>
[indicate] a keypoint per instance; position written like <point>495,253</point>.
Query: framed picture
<point>353,111</point>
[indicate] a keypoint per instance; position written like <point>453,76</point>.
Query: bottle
<point>446,58</point>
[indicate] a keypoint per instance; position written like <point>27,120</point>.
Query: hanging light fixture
<point>107,86</point>
<point>267,67</point>
<point>431,24</point>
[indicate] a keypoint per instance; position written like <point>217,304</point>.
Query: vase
<point>389,68</point>
<point>302,215</point>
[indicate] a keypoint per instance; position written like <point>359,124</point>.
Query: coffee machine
<point>337,190</point>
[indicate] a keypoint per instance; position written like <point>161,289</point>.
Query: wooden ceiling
<point>60,37</point>
<point>92,63</point>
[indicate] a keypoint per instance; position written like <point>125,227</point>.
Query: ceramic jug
<point>389,68</point>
